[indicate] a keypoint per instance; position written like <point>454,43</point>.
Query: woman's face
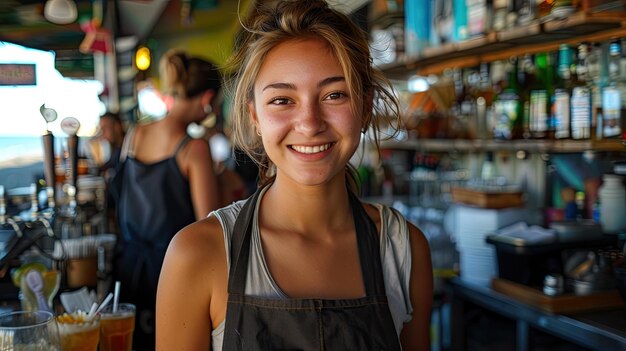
<point>302,109</point>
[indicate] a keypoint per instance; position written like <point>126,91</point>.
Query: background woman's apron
<point>254,323</point>
<point>155,203</point>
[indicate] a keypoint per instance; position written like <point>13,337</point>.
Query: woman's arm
<point>415,334</point>
<point>192,279</point>
<point>202,178</point>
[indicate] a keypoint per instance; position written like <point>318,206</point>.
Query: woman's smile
<point>304,149</point>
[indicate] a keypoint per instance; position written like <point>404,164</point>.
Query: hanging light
<point>417,84</point>
<point>60,11</point>
<point>142,58</point>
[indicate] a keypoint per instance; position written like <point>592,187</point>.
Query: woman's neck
<point>307,209</point>
<point>180,113</point>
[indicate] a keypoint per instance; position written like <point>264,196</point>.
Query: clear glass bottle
<point>613,95</point>
<point>581,112</point>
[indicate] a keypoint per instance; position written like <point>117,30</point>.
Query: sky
<point>19,105</point>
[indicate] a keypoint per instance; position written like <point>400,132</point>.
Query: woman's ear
<point>207,97</point>
<point>253,115</point>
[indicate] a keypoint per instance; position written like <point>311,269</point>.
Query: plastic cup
<point>116,328</point>
<point>77,333</point>
<point>28,330</point>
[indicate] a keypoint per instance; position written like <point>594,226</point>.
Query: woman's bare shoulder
<point>201,241</point>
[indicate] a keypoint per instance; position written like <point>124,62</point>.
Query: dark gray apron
<point>155,203</point>
<point>254,323</point>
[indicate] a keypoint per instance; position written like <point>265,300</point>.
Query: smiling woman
<point>302,258</point>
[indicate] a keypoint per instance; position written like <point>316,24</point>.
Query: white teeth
<point>311,149</point>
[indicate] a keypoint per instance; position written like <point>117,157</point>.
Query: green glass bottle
<point>539,108</point>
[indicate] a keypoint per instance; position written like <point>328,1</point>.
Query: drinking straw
<point>104,303</point>
<point>116,296</point>
<point>95,309</point>
<point>92,310</point>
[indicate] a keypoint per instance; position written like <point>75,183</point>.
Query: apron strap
<point>240,246</point>
<point>367,241</point>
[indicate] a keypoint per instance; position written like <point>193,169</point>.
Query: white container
<point>612,204</point>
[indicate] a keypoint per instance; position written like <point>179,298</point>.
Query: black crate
<point>529,264</point>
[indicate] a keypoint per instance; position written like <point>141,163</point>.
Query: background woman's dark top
<point>155,203</point>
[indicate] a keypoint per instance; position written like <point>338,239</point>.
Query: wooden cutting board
<point>566,303</point>
<point>484,199</point>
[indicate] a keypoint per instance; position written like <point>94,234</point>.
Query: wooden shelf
<point>531,38</point>
<point>547,146</point>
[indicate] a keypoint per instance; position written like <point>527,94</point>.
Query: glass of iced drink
<point>79,333</point>
<point>28,331</point>
<point>116,328</point>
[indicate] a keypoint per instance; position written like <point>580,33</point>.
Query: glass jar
<point>613,204</point>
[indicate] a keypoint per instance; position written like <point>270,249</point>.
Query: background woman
<point>167,183</point>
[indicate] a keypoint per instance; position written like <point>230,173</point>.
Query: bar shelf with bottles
<point>568,100</point>
<point>532,146</point>
<point>537,36</point>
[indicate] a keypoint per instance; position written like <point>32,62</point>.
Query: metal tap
<point>34,202</point>
<point>3,206</point>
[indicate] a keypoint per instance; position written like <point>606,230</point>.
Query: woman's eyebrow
<point>290,86</point>
<point>280,86</point>
<point>330,80</point>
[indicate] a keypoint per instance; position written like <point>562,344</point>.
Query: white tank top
<point>395,253</point>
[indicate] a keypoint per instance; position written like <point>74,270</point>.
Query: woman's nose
<point>309,120</point>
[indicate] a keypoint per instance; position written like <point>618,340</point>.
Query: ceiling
<point>22,22</point>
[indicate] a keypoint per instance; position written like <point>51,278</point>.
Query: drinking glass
<point>28,331</point>
<point>116,328</point>
<point>78,333</point>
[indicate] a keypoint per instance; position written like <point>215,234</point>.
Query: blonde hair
<point>185,76</point>
<point>268,26</point>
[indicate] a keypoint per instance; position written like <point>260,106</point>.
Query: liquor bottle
<point>539,108</point>
<point>562,93</point>
<point>581,96</point>
<point>597,79</point>
<point>612,95</point>
<point>464,108</point>
<point>527,79</point>
<point>484,101</point>
<point>550,79</point>
<point>508,107</point>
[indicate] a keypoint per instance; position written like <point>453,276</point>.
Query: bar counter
<point>600,330</point>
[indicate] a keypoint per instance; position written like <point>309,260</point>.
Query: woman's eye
<point>336,95</point>
<point>279,101</point>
